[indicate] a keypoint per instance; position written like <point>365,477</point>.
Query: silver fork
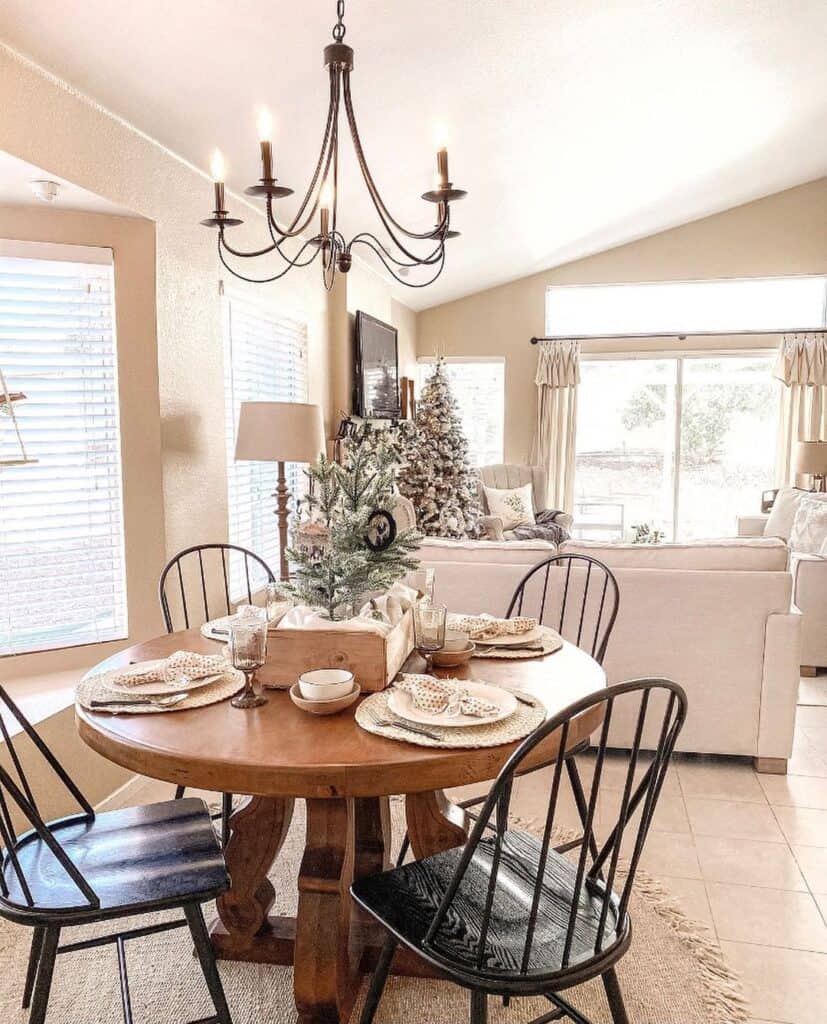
<point>133,702</point>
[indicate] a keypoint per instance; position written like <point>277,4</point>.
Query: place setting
<point>425,710</point>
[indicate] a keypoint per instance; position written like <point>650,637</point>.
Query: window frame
<point>553,332</point>
<point>679,357</point>
<point>277,315</point>
<point>85,255</point>
<point>452,360</point>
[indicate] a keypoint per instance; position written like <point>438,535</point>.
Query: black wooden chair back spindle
<point>16,791</point>
<point>61,873</point>
<point>510,915</point>
<point>187,573</point>
<point>588,600</point>
<point>187,578</point>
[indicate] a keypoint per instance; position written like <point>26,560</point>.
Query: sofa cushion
<point>784,509</point>
<point>514,552</point>
<point>809,533</point>
<point>746,554</point>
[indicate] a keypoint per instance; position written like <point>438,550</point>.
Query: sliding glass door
<point>681,443</point>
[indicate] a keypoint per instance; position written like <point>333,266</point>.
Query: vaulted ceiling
<point>575,125</point>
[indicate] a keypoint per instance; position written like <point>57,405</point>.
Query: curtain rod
<point>680,337</point>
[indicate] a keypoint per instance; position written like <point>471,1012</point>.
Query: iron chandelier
<point>398,255</point>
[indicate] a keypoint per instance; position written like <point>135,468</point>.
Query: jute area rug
<point>674,973</point>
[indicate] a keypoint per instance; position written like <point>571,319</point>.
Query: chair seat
<point>406,899</point>
<point>139,858</point>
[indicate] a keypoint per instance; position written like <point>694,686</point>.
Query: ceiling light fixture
<point>399,256</point>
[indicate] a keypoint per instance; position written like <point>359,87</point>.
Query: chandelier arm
<point>392,272</point>
<point>261,280</point>
<point>429,260</point>
<point>277,242</point>
<point>325,154</point>
<point>384,213</point>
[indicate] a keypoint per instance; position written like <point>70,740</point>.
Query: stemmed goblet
<point>248,651</point>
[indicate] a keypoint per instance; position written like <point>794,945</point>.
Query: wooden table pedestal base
<point>329,944</point>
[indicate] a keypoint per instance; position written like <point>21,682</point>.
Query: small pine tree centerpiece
<point>436,473</point>
<point>363,554</point>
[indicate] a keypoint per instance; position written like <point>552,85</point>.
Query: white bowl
<point>325,683</point>
<point>455,640</point>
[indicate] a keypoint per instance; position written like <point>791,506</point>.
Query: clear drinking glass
<point>277,601</point>
<point>248,650</point>
<point>429,630</point>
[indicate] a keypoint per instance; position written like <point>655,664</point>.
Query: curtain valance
<point>558,364</point>
<point>802,359</point>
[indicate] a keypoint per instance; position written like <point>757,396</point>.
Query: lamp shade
<point>279,432</point>
<point>811,458</point>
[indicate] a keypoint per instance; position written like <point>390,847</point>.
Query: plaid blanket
<point>544,528</point>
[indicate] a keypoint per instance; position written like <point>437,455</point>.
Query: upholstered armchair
<point>511,475</point>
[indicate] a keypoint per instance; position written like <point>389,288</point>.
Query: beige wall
<point>783,234</point>
<point>50,126</point>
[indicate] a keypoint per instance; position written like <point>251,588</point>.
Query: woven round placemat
<point>524,720</point>
<point>93,687</point>
<point>551,641</point>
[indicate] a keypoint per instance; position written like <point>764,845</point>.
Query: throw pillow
<point>515,505</point>
<point>809,533</point>
<point>782,514</point>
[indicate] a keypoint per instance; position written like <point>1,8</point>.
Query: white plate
<point>514,639</point>
<point>402,704</point>
<point>157,688</point>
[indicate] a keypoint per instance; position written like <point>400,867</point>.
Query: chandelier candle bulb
<point>265,137</point>
<point>442,168</point>
<point>217,171</point>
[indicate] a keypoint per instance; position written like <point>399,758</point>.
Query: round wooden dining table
<point>276,754</point>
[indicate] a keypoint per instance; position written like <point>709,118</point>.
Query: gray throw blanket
<point>544,528</point>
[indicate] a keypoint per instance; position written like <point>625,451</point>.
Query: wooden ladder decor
<point>7,400</point>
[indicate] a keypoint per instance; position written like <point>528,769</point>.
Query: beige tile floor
<point>747,855</point>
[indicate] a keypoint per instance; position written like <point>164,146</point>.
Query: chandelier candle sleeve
<point>293,240</point>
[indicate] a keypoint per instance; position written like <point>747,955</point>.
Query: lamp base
<point>282,496</point>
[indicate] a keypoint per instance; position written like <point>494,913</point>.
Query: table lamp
<point>280,432</point>
<point>811,459</point>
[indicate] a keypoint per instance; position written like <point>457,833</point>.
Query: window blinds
<point>265,361</point>
<point>62,567</point>
<point>478,385</point>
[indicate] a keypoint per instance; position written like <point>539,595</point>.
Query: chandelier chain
<point>339,28</point>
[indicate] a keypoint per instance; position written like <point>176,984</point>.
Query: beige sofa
<point>809,574</point>
<point>715,616</point>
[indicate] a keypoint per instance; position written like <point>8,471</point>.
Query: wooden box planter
<point>373,659</point>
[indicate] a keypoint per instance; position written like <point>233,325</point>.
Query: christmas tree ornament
<point>381,530</point>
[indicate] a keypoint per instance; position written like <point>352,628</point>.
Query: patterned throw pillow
<point>515,505</point>
<point>809,533</point>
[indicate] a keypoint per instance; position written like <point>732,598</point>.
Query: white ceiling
<point>16,174</point>
<point>575,125</point>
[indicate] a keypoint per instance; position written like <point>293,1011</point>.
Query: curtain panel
<point>557,377</point>
<point>801,366</point>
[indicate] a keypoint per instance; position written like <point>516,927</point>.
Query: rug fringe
<point>723,993</point>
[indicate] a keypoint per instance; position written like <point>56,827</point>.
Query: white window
<point>265,361</point>
<point>478,385</point>
<point>688,307</point>
<point>62,567</point>
<point>683,443</point>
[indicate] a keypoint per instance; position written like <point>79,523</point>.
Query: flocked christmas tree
<point>436,473</point>
<point>361,552</point>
